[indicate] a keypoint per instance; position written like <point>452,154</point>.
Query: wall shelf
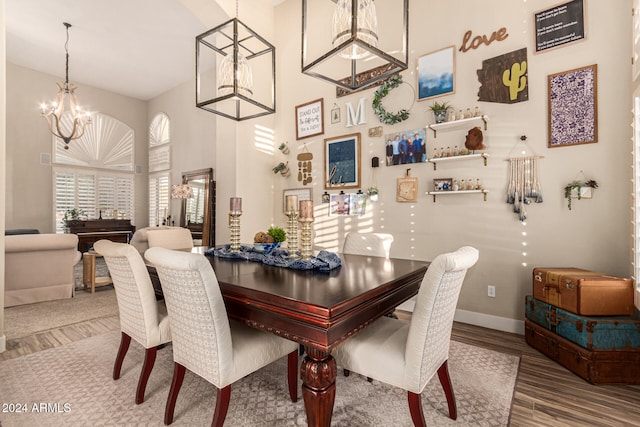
<point>457,123</point>
<point>450,193</point>
<point>436,160</point>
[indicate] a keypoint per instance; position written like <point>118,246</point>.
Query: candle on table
<point>306,209</point>
<point>236,204</point>
<point>291,203</point>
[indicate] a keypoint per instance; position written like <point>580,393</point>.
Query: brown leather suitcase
<point>595,366</point>
<point>584,292</point>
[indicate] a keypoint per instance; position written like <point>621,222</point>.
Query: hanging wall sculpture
<point>305,166</point>
<point>503,78</point>
<point>523,182</point>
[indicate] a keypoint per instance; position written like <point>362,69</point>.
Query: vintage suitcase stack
<point>585,321</point>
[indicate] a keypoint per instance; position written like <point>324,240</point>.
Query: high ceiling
<point>138,48</point>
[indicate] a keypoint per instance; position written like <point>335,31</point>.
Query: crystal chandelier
<point>66,104</point>
<point>367,27</point>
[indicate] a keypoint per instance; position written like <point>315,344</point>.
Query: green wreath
<point>385,116</point>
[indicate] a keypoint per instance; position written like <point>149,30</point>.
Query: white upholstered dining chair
<point>170,238</point>
<point>372,244</point>
<point>205,341</point>
<point>141,317</point>
<point>408,355</point>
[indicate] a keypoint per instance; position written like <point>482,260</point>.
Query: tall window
<point>95,174</point>
<point>159,164</point>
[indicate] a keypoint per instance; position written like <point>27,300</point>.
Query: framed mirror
<point>199,212</point>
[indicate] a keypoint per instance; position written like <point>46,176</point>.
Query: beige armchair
<point>408,355</point>
<point>204,340</point>
<point>39,267</point>
<point>141,317</point>
<point>171,238</point>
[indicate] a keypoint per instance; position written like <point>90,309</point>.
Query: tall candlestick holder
<point>292,234</point>
<point>305,238</point>
<point>234,230</point>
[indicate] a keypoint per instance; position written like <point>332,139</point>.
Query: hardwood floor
<point>546,394</point>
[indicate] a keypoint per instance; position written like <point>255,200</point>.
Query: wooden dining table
<point>316,309</point>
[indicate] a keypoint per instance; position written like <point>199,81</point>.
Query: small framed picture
<point>335,114</point>
<point>443,184</point>
<point>309,119</point>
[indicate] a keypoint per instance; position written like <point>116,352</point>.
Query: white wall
<point>594,235</point>
<point>29,198</point>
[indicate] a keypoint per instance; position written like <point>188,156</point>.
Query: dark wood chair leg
<point>292,375</point>
<point>415,408</point>
<point>222,405</point>
<point>125,340</point>
<point>445,380</point>
<point>147,367</point>
<point>176,383</point>
<point>346,372</point>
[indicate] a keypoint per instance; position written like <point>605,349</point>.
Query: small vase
<point>285,172</point>
<point>440,115</point>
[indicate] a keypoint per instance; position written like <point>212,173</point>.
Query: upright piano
<point>92,230</point>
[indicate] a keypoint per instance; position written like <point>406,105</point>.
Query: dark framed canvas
<point>342,162</point>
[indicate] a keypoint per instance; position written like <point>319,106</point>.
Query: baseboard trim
<point>3,344</point>
<point>488,321</point>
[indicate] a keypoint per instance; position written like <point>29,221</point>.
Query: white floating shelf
<point>451,193</point>
<point>457,123</point>
<point>436,160</point>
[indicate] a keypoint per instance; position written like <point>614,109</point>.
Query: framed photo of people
<point>405,147</point>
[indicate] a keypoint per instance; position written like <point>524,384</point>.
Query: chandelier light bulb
<point>367,27</point>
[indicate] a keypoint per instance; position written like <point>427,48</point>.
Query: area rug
<point>29,319</point>
<point>72,386</point>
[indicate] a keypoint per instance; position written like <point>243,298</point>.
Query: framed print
<point>302,193</point>
<point>443,184</point>
<point>309,119</point>
<point>358,204</point>
<point>339,204</point>
<point>407,190</point>
<point>436,73</point>
<point>342,162</point>
<point>559,25</point>
<point>405,147</point>
<point>335,114</point>
<point>573,107</point>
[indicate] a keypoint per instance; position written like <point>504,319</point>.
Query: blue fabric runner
<point>324,261</point>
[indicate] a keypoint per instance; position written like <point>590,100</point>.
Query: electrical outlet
<point>491,291</point>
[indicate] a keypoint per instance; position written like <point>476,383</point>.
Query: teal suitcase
<point>590,332</point>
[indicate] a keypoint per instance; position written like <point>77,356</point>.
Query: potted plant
<point>71,216</point>
<point>440,111</point>
<point>284,147</point>
<point>269,241</point>
<point>372,192</point>
<point>574,189</point>
<point>283,168</point>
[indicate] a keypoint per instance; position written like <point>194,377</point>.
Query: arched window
<point>159,166</point>
<point>96,173</point>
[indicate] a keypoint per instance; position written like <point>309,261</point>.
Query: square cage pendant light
<point>354,43</point>
<point>235,72</point>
